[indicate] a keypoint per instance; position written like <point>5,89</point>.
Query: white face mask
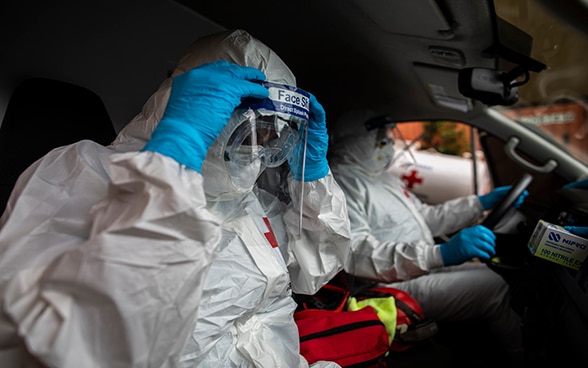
<point>384,146</point>
<point>245,172</point>
<point>384,155</point>
<point>381,154</point>
<point>380,159</point>
<point>226,180</point>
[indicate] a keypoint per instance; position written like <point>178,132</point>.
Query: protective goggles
<point>268,129</point>
<point>385,125</point>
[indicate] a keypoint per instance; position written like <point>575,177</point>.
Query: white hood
<point>353,145</point>
<point>234,46</point>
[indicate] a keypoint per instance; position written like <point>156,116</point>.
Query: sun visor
<point>442,87</point>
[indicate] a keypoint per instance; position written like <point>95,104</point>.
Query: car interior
<point>74,70</point>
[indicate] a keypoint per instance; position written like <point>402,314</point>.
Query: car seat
<point>43,114</point>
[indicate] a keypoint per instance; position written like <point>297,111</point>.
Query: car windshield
<point>554,100</point>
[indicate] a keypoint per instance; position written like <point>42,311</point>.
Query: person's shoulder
<point>92,155</point>
<point>88,149</point>
<point>352,180</point>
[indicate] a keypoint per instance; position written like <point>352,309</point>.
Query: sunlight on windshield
<point>554,100</point>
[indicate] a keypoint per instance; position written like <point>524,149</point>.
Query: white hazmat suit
<point>393,236</point>
<point>113,256</point>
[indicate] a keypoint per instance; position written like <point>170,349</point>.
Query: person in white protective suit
<point>393,233</point>
<point>159,250</point>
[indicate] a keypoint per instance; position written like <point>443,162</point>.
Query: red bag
<point>350,339</point>
<point>356,338</point>
<point>412,327</point>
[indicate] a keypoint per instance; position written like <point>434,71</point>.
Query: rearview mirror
<point>492,87</point>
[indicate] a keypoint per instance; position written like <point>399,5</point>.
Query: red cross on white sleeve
<point>411,179</point>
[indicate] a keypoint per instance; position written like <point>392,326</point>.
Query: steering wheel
<point>502,208</point>
<point>507,202</point>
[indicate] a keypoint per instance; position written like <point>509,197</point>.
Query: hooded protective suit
<point>393,235</point>
<point>112,256</point>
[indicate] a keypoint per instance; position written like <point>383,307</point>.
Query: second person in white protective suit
<point>159,250</point>
<point>393,234</point>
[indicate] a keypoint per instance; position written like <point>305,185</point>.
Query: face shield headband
<point>384,126</point>
<point>267,130</point>
<point>379,122</point>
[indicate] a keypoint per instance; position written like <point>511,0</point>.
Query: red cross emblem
<point>411,179</point>
<point>270,233</point>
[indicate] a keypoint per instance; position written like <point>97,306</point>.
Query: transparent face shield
<point>384,144</point>
<point>267,133</point>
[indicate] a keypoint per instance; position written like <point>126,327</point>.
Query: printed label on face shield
<point>283,99</point>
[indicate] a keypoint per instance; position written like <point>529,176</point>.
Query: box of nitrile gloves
<point>556,244</point>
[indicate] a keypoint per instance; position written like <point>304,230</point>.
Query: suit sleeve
<point>128,294</point>
<point>319,241</point>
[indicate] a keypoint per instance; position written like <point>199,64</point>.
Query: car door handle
<point>509,149</point>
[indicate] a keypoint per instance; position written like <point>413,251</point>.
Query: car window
<point>440,160</point>
<point>553,100</point>
<point>566,123</point>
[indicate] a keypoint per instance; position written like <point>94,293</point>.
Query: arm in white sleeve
<point>320,251</point>
<point>377,258</point>
<point>128,295</point>
<point>452,215</point>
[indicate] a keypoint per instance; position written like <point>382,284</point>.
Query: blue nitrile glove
<point>580,184</point>
<point>317,143</point>
<point>200,104</point>
<point>578,230</point>
<point>490,200</point>
<point>476,241</point>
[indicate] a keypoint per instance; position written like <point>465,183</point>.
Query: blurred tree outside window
<point>446,137</point>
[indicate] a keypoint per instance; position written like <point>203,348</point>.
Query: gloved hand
<point>317,143</point>
<point>200,104</point>
<point>477,241</point>
<point>580,184</point>
<point>490,200</point>
<point>578,230</point>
